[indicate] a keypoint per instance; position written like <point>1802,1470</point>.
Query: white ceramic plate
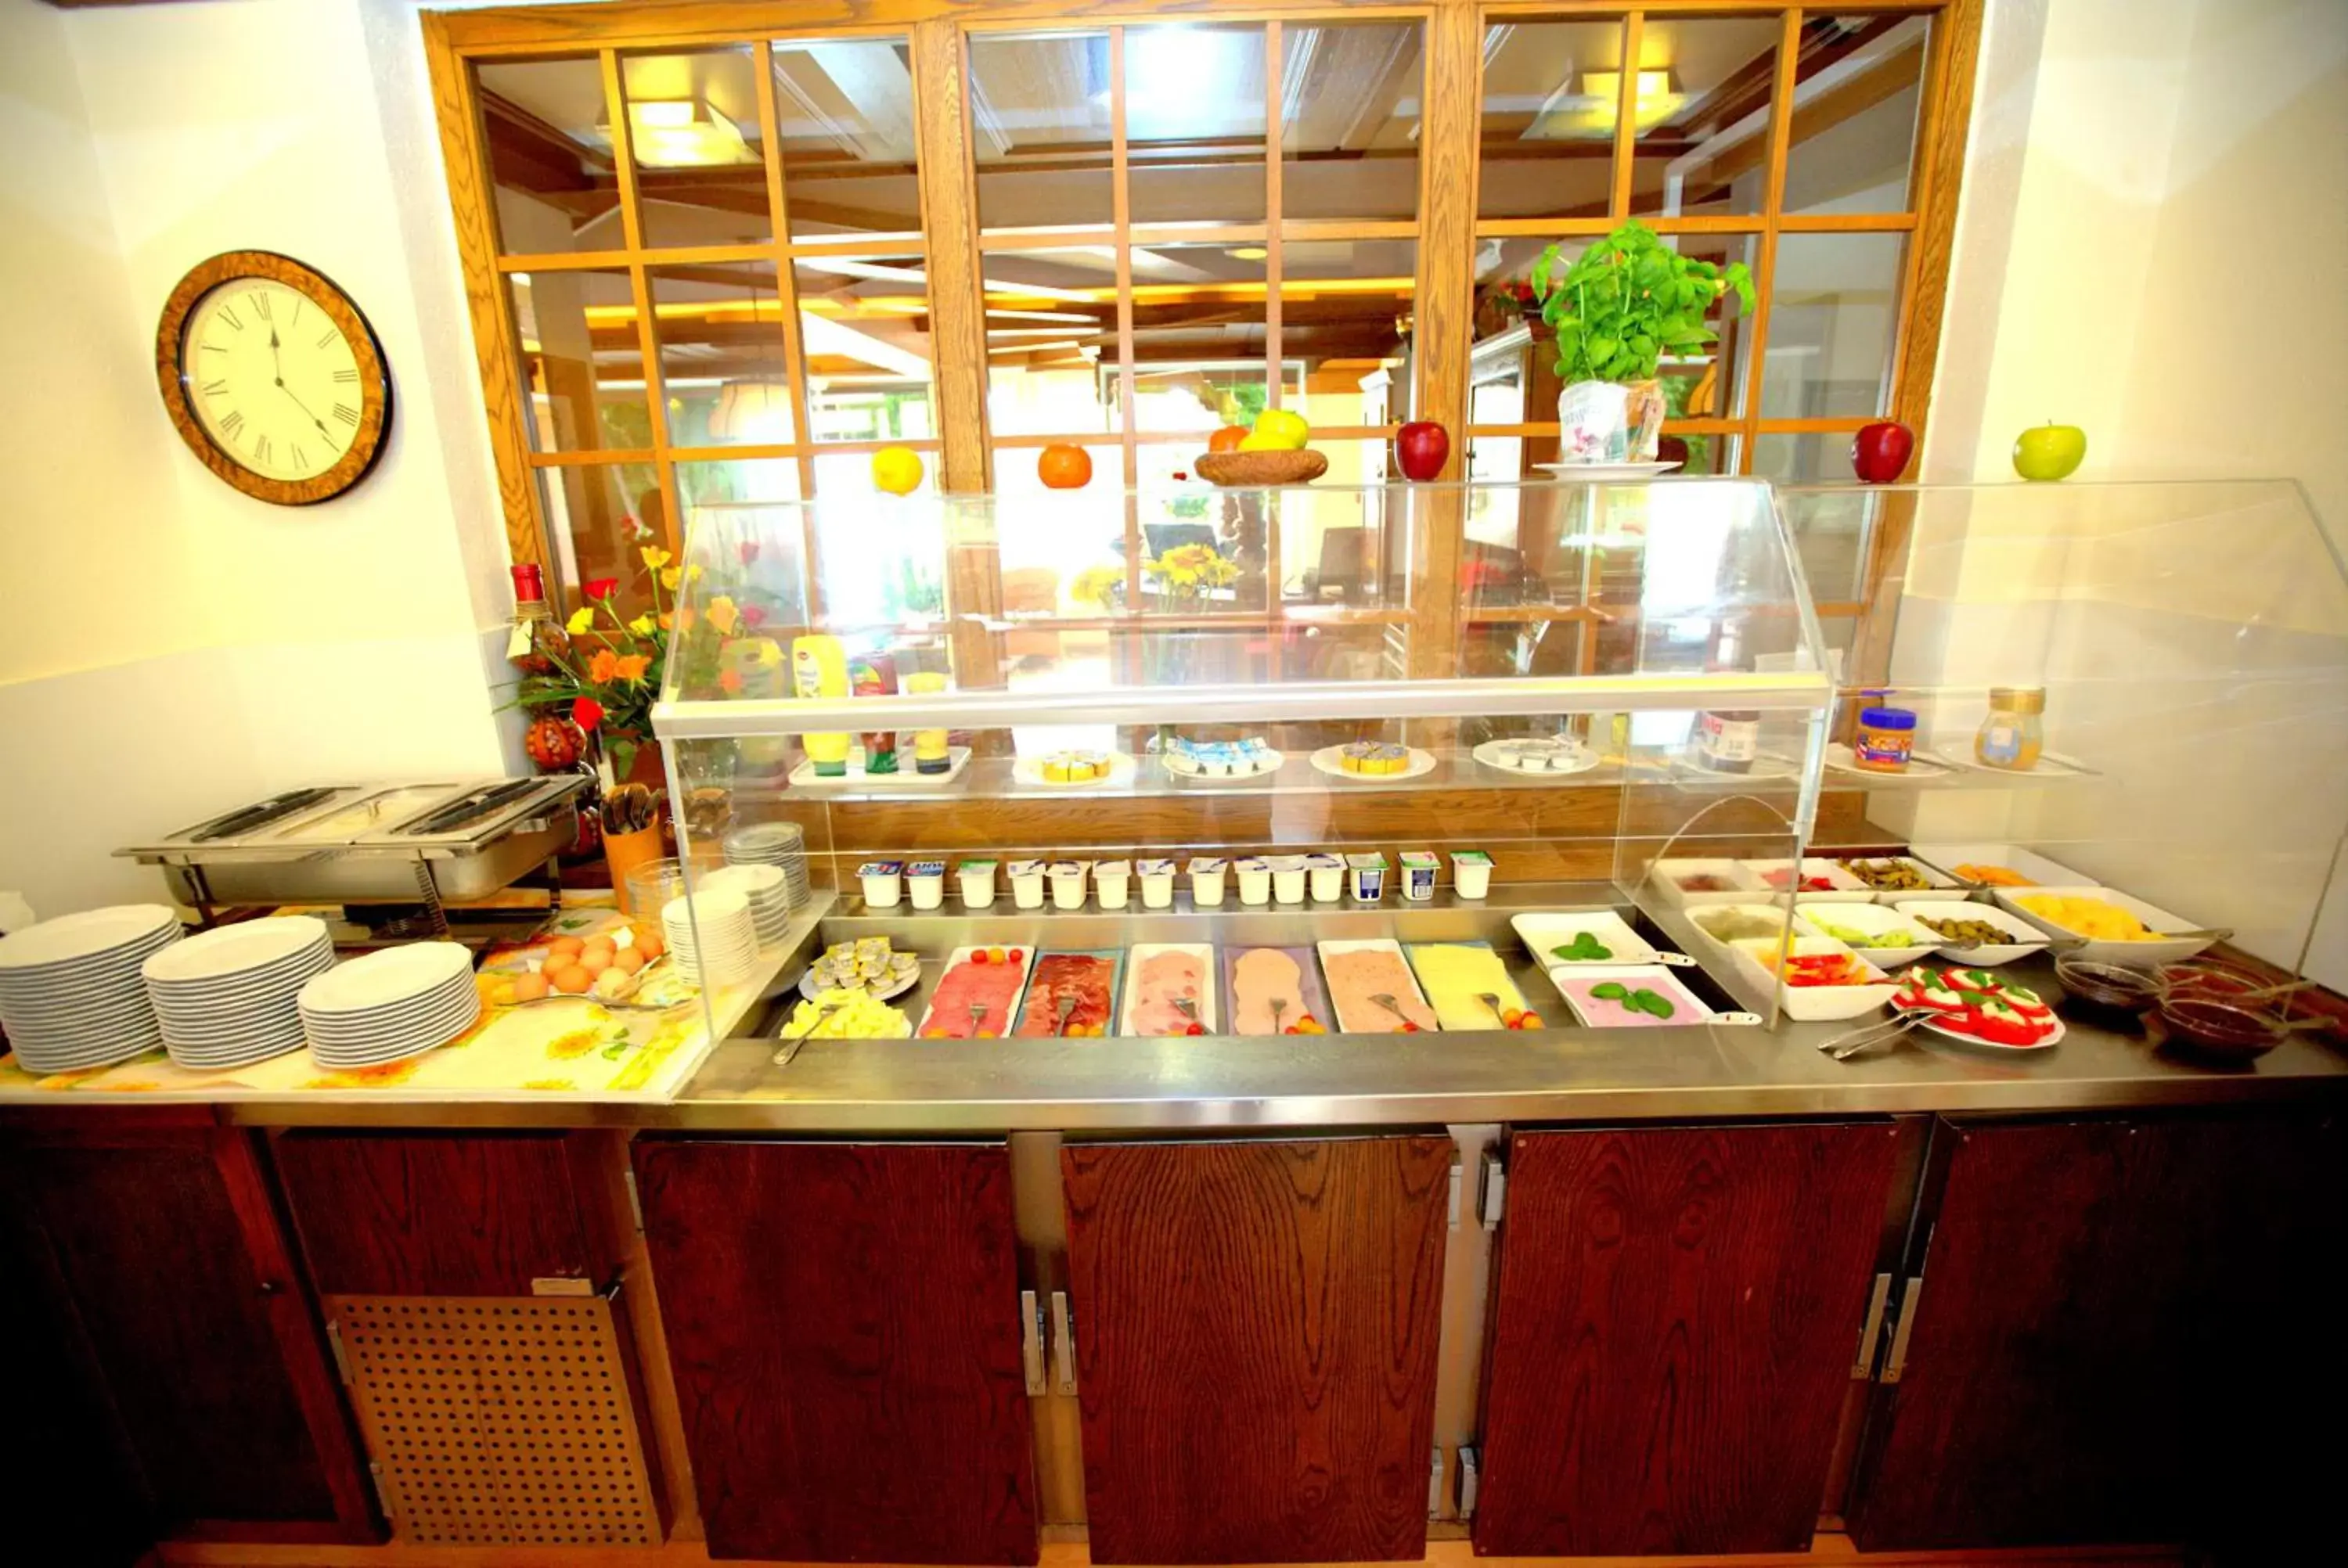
<point>1976,1043</point>
<point>1921,764</point>
<point>1138,955</point>
<point>1327,760</point>
<point>2029,863</point>
<point>1743,888</point>
<point>1495,755</point>
<point>1268,762</point>
<point>1001,1026</point>
<point>1817,1004</point>
<point>1872,921</point>
<point>1029,771</point>
<point>91,934</point>
<point>1541,933</point>
<point>1845,888</point>
<point>1651,976</point>
<point>1936,881</point>
<point>2050,764</point>
<point>230,950</point>
<point>1603,472</point>
<point>387,978</point>
<point>1767,768</point>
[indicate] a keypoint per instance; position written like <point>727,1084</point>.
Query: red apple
<point>1879,452</point>
<point>1421,448</point>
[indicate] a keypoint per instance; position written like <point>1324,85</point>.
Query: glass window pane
<point>1349,148</point>
<point>700,158</point>
<point>597,517</point>
<point>1051,342</point>
<point>1834,316</point>
<point>1705,453</point>
<point>722,369</point>
<point>1194,123</point>
<point>1702,114</point>
<point>844,111</point>
<point>1018,471</point>
<point>877,566</point>
<point>1344,329</point>
<point>838,473</point>
<point>1197,336</point>
<point>1807,457</point>
<point>582,363</point>
<point>1343,546</point>
<point>1547,142</point>
<point>864,326</point>
<point>1854,135</point>
<point>1040,132</point>
<point>547,135</point>
<point>1832,528</point>
<point>1708,382</point>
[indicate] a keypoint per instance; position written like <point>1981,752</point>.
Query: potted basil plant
<point>1617,309</point>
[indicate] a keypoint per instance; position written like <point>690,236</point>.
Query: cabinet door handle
<point>1030,1341</point>
<point>1064,1343</point>
<point>1898,1364</point>
<point>1863,1366</point>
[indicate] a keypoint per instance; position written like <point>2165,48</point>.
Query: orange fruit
<point>1228,438</point>
<point>1064,467</point>
<point>572,980</point>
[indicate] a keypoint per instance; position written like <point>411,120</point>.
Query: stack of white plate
<point>782,844</point>
<point>70,995</point>
<point>765,889</point>
<point>227,998</point>
<point>397,1003</point>
<point>711,934</point>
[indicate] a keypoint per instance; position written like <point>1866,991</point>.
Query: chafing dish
<point>371,844</point>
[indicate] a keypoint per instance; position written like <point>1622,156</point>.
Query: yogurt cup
<point>926,880</point>
<point>1207,874</point>
<point>977,878</point>
<point>1157,883</point>
<point>884,883</point>
<point>1026,884</point>
<point>1288,878</point>
<point>1326,873</point>
<point>1255,880</point>
<point>1113,880</point>
<point>1471,873</point>
<point>1366,877</point>
<point>1069,884</point>
<point>1418,879</point>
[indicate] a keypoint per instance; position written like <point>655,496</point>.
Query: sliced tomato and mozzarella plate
<point>1978,1008</point>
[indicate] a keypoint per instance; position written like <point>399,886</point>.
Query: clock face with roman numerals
<point>274,378</point>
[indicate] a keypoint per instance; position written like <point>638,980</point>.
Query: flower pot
<point>1610,421</point>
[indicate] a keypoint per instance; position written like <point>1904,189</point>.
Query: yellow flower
<point>656,558</point>
<point>770,654</point>
<point>642,625</point>
<point>581,620</point>
<point>723,615</point>
<point>668,578</point>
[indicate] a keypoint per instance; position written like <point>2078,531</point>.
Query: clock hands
<point>278,365</point>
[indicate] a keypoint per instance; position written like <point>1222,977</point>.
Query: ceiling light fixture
<point>1247,253</point>
<point>685,133</point>
<point>1655,101</point>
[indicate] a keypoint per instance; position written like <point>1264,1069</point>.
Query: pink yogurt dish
<point>1605,1012</point>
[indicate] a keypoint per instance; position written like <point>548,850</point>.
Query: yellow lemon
<point>1258,441</point>
<point>1284,430</point>
<point>897,470</point>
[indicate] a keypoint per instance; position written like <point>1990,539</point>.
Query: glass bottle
<point>534,636</point>
<point>2012,735</point>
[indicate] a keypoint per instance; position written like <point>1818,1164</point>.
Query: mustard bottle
<point>819,669</point>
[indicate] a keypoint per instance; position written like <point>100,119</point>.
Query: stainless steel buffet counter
<point>1199,1084</point>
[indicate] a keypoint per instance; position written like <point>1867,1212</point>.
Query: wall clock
<point>273,378</point>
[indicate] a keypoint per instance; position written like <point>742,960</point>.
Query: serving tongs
<point>1851,1042</point>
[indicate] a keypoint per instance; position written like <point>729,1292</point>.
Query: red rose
<point>753,617</point>
<point>749,548</point>
<point>586,712</point>
<point>600,587</point>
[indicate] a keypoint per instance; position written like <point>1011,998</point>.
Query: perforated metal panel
<point>497,1421</point>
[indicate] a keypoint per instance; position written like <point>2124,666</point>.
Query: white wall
<point>193,646</point>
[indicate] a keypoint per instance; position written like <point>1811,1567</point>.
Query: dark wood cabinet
<point>1673,1332</point>
<point>167,1262</point>
<point>844,1324</point>
<point>441,1213</point>
<point>1256,1328</point>
<point>2113,1338</point>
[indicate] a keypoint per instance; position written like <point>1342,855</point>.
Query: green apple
<point>2050,451</point>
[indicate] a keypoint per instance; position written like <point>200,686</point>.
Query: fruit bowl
<point>1250,469</point>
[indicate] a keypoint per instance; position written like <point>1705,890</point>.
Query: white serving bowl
<point>1935,879</point>
<point>1769,911</point>
<point>1842,886</point>
<point>2139,955</point>
<point>1817,1004</point>
<point>1870,920</point>
<point>2028,937</point>
<point>2014,857</point>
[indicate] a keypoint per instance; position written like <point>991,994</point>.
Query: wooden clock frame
<point>367,441</point>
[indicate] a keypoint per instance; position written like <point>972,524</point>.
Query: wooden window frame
<point>1447,232</point>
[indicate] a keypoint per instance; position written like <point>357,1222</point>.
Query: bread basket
<point>1251,469</point>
